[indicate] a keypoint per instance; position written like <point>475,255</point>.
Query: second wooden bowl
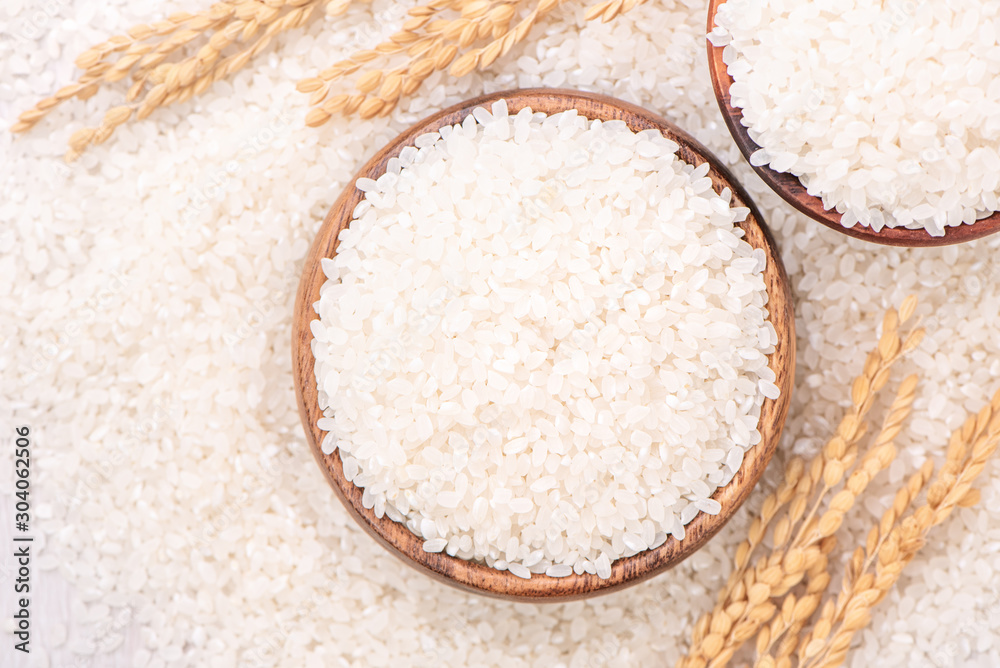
<point>791,189</point>
<point>475,576</point>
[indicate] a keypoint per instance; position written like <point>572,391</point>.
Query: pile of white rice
<point>889,111</point>
<point>543,342</point>
<point>146,294</point>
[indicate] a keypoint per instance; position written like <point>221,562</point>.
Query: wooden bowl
<point>475,576</point>
<point>791,189</point>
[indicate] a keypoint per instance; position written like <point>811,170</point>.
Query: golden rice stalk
<point>177,29</point>
<point>143,53</point>
<point>746,603</point>
<point>484,57</point>
<point>879,457</point>
<point>841,452</point>
<point>178,82</point>
<point>856,575</point>
<point>431,43</point>
<point>969,450</point>
<point>610,9</point>
<point>787,627</point>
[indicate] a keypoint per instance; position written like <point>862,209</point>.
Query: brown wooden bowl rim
<point>790,189</point>
<point>475,576</point>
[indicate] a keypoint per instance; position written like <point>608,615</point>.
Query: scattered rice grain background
<point>147,291</point>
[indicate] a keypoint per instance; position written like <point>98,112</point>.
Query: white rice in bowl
<point>542,342</point>
<point>887,111</point>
